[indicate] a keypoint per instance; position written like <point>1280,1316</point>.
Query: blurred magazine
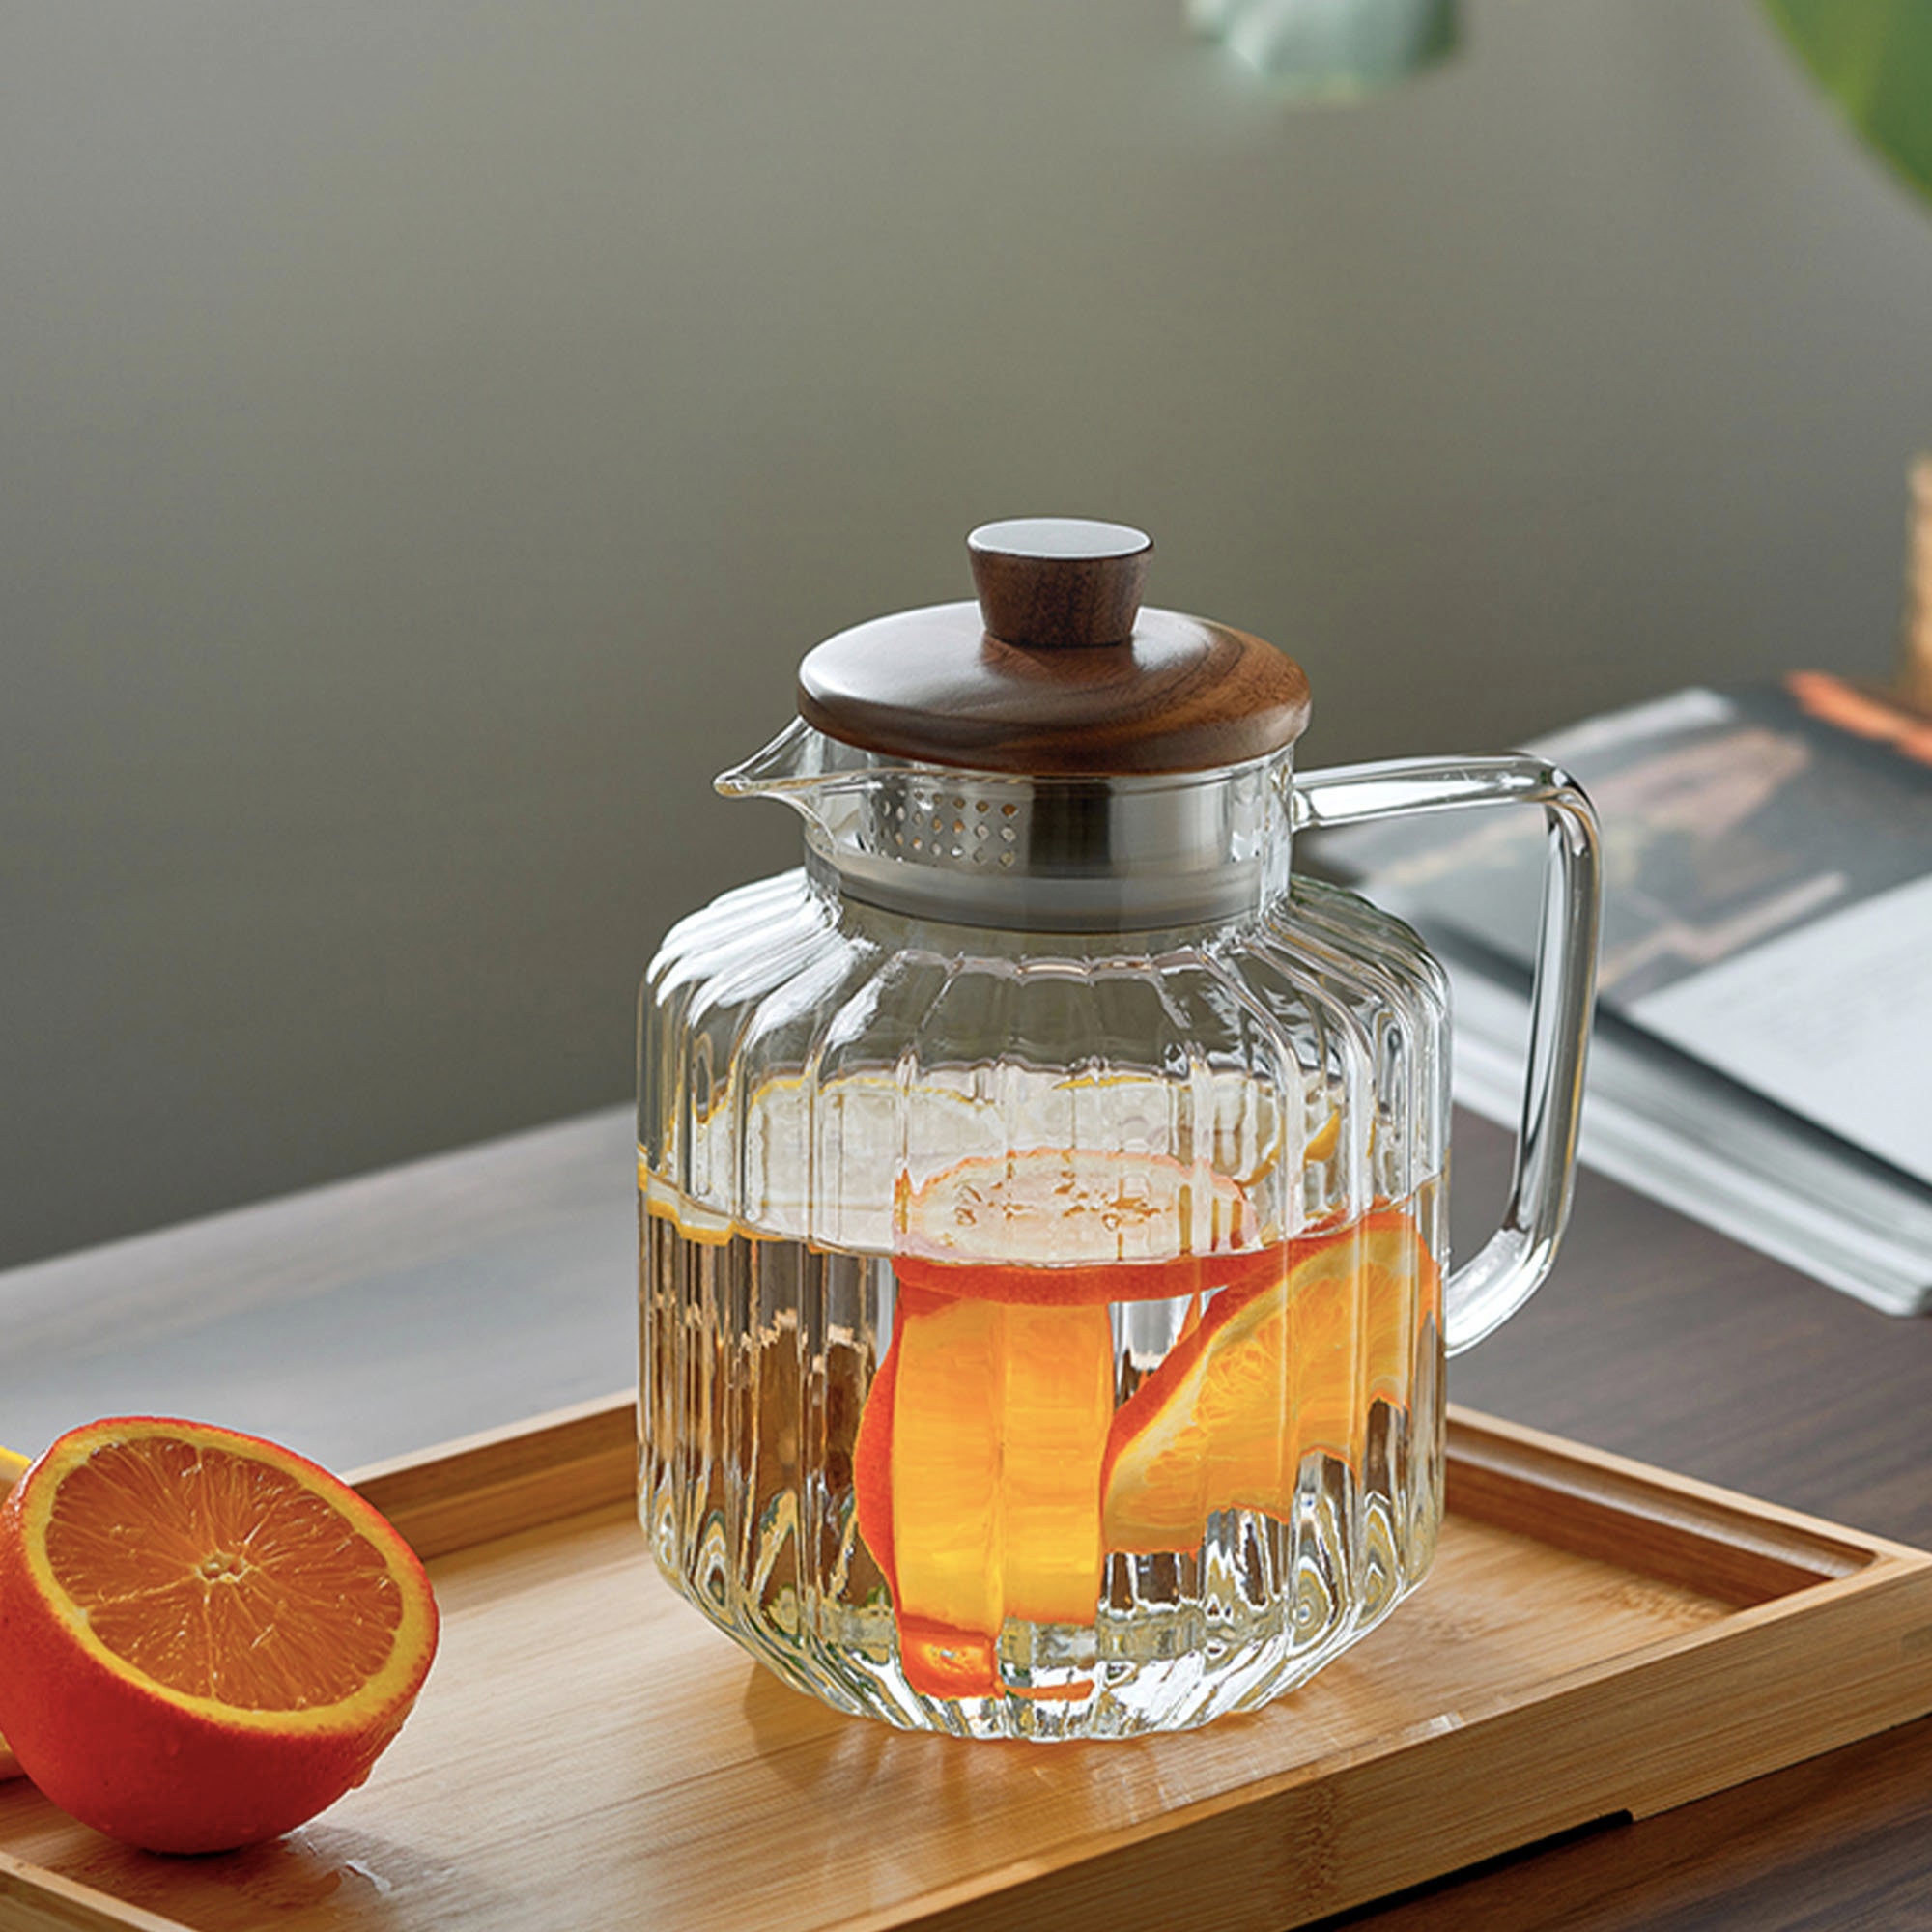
<point>1763,1052</point>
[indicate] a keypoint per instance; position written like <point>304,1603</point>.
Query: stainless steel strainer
<point>1038,854</point>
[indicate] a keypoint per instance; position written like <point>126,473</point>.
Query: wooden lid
<point>1056,670</point>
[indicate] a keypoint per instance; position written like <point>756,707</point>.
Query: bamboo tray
<point>1596,1639</point>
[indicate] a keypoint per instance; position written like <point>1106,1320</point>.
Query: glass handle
<point>1490,1288</point>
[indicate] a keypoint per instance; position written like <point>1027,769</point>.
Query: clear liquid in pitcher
<point>1092,1498</point>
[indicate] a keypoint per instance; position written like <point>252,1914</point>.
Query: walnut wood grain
<point>1056,675</point>
<point>1053,582</point>
<point>1181,695</point>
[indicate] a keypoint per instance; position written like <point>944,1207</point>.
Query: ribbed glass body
<point>1042,1331</point>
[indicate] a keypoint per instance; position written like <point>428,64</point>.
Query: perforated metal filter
<point>946,822</point>
<point>1032,854</point>
<point>1054,854</point>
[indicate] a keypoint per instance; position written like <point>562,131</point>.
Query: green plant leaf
<point>1874,58</point>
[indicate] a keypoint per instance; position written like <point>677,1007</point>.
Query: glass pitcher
<point>1043,1290</point>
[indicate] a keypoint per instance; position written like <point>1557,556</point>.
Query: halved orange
<point>203,1639</point>
<point>1269,1375</point>
<point>11,1466</point>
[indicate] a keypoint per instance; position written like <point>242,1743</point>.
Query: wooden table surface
<point>459,1293</point>
<point>1657,1338</point>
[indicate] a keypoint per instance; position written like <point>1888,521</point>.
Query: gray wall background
<point>430,435</point>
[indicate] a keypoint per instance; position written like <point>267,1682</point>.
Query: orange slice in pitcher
<point>978,1465</point>
<point>1269,1375</point>
<point>978,1477</point>
<point>1091,1228</point>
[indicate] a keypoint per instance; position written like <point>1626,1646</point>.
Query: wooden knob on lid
<point>1047,582</point>
<point>1055,670</point>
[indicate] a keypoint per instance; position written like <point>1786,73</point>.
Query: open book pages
<point>1763,1057</point>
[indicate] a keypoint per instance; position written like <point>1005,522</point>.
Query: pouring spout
<point>823,780</point>
<point>794,761</point>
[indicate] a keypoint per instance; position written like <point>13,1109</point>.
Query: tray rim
<point>1790,1568</point>
<point>589,1449</point>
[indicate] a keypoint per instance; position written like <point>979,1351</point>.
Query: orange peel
<point>204,1639</point>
